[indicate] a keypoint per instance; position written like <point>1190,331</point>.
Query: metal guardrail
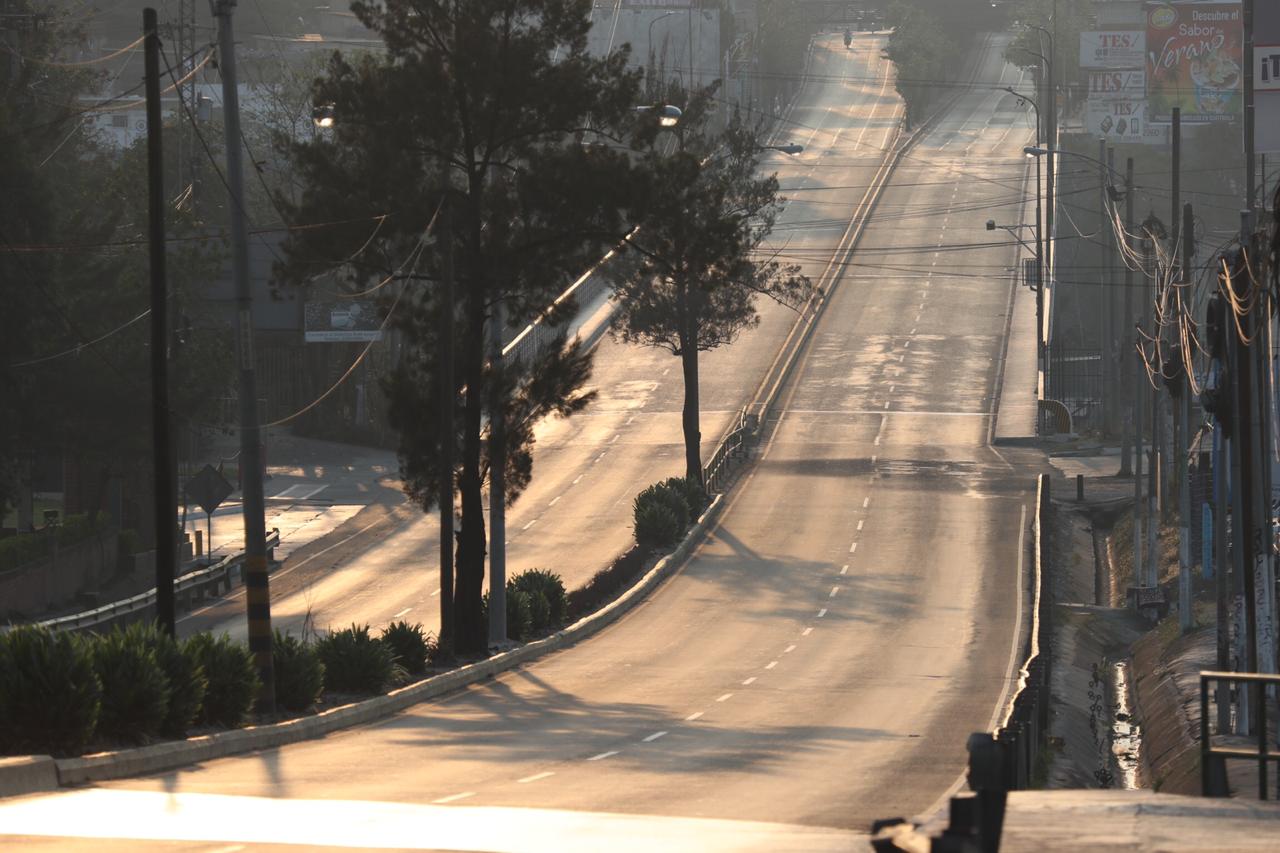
<point>731,448</point>
<point>188,589</point>
<point>1213,759</point>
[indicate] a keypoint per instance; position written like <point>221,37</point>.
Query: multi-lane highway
<point>820,660</point>
<point>587,469</point>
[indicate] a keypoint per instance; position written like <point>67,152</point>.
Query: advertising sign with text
<point>1113,49</point>
<point>1124,84</point>
<point>1194,56</point>
<point>1116,120</point>
<point>342,322</point>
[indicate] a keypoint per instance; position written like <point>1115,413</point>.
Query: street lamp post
<point>1039,288</point>
<point>1040,265</point>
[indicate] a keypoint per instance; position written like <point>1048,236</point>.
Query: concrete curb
<point>41,773</point>
<point>26,774</point>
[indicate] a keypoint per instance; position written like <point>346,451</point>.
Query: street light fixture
<point>668,114</point>
<point>323,116</point>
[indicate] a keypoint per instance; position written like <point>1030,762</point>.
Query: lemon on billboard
<point>1195,51</point>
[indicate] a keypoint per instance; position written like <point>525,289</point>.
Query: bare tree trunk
<point>470,628</point>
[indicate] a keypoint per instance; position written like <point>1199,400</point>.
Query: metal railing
<point>1213,758</point>
<point>192,587</point>
<point>732,447</point>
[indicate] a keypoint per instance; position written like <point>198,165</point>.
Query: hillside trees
<point>73,270</point>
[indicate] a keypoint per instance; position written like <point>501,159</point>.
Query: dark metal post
<point>161,425</point>
<point>256,583</point>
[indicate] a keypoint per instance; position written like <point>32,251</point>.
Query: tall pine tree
<point>478,103</point>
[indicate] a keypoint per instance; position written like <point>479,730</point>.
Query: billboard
<point>1116,120</point>
<point>350,321</point>
<point>1113,49</point>
<point>1194,55</point>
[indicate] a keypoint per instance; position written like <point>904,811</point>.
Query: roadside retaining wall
<point>40,587</point>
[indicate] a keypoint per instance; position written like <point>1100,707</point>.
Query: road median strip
<point>30,774</point>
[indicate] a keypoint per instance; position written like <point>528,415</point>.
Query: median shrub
<point>187,683</point>
<point>232,676</point>
<point>695,497</point>
<point>299,672</point>
<point>411,645</point>
<point>135,689</point>
<point>518,616</point>
<point>656,525</point>
<point>548,602</point>
<point>356,662</point>
<point>50,695</point>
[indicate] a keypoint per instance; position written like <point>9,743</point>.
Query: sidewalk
<point>312,487</point>
<point>1018,403</point>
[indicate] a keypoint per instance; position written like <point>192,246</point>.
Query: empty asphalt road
<point>824,654</point>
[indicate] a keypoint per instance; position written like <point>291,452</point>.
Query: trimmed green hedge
<point>50,696</point>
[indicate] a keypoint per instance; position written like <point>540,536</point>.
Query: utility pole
<point>256,581</point>
<point>1182,451</point>
<point>1175,225</point>
<point>166,501</point>
<point>1104,296</point>
<point>448,399</point>
<point>1151,575</point>
<point>1242,480</point>
<point>1250,116</point>
<point>497,485</point>
<point>1129,388</point>
<point>1217,327</point>
<point>1051,165</point>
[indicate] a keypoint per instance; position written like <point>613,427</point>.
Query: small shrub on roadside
<point>695,497</point>
<point>664,495</point>
<point>233,679</point>
<point>540,583</point>
<point>411,645</point>
<point>187,683</point>
<point>135,689</point>
<point>356,662</point>
<point>299,672</point>
<point>656,526</point>
<point>50,695</point>
<point>518,617</point>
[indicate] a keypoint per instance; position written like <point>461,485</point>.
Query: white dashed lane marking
<point>724,697</point>
<point>651,738</point>
<point>602,756</point>
<point>454,798</point>
<point>536,776</point>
